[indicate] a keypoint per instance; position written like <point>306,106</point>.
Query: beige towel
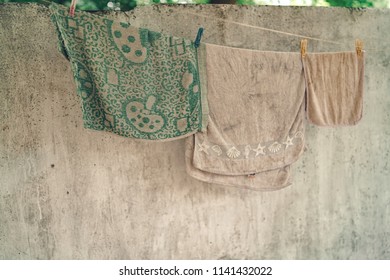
<point>334,88</point>
<point>256,109</point>
<point>263,181</point>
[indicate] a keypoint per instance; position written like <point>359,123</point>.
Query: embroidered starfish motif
<point>259,150</point>
<point>203,148</point>
<point>289,142</point>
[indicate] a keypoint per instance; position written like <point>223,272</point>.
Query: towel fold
<point>132,81</point>
<point>255,125</point>
<point>264,181</point>
<point>334,88</point>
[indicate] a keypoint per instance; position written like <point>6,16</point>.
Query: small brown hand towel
<point>334,88</point>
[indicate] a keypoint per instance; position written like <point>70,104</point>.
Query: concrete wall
<point>70,193</point>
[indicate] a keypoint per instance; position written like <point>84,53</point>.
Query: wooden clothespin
<point>72,7</point>
<point>359,47</point>
<point>303,47</point>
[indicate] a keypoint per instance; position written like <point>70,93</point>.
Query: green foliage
<point>245,2</point>
<point>350,3</point>
<point>359,3</point>
<point>90,5</point>
<point>126,5</point>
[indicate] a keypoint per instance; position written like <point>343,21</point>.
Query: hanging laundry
<point>132,81</point>
<point>334,87</point>
<point>256,118</point>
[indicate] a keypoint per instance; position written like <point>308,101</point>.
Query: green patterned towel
<point>132,81</point>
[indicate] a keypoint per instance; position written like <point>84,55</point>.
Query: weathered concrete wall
<point>70,193</point>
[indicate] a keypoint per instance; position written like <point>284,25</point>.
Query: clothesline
<point>197,90</point>
<point>252,26</point>
<point>265,29</point>
<point>281,32</point>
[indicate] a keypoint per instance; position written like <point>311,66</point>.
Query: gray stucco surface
<point>71,193</point>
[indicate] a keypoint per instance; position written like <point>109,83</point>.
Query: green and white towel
<point>132,81</point>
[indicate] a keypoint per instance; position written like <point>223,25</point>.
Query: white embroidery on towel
<point>233,152</point>
<point>289,141</point>
<point>259,150</point>
<point>275,147</point>
<point>247,151</point>
<point>203,148</point>
<point>299,134</point>
<point>217,149</point>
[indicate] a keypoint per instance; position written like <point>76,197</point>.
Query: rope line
<point>266,29</point>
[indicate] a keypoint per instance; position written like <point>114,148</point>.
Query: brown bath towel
<point>256,110</point>
<point>334,88</point>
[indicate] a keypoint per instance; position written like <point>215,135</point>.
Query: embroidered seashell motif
<point>299,134</point>
<point>233,152</point>
<point>275,147</point>
<point>247,151</point>
<point>217,149</point>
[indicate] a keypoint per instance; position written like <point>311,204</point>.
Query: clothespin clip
<point>359,47</point>
<point>72,7</point>
<point>198,37</point>
<point>303,47</point>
